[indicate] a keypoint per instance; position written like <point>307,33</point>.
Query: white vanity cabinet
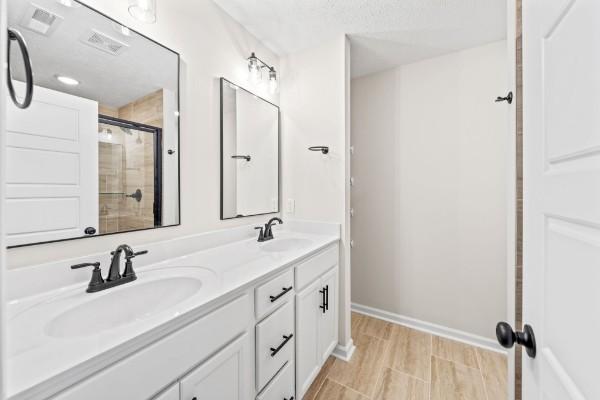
<point>267,342</point>
<point>316,316</point>
<point>224,376</point>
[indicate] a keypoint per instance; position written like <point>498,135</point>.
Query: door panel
<point>561,273</point>
<point>328,324</point>
<point>52,174</point>
<point>223,377</point>
<point>307,340</point>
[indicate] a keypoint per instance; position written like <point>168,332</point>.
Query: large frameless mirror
<point>97,152</point>
<point>249,153</point>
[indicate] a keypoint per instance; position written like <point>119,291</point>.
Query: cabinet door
<point>307,336</point>
<point>224,376</point>
<point>172,393</point>
<point>328,321</point>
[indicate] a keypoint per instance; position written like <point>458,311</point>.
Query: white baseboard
<point>344,353</point>
<point>429,327</point>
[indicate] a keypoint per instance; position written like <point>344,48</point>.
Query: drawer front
<point>274,293</point>
<point>274,343</point>
<point>146,372</point>
<point>282,387</point>
<point>317,265</point>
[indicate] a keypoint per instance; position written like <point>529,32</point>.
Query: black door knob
<point>507,337</point>
<point>90,230</point>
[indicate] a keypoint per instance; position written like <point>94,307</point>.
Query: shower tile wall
<point>129,166</point>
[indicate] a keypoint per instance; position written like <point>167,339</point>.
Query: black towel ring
<point>322,149</point>
<point>16,35</point>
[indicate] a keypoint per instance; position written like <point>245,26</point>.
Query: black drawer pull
<point>286,339</point>
<point>291,398</point>
<point>275,298</point>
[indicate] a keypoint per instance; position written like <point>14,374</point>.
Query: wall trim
<point>439,330</point>
<point>344,353</point>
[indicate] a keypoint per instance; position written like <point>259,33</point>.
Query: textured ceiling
<point>142,68</point>
<point>384,33</point>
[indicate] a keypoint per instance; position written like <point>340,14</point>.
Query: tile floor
<point>393,362</point>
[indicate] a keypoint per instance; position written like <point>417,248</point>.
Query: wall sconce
<point>143,10</point>
<point>255,67</point>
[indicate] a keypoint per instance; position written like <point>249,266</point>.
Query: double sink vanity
<point>211,316</point>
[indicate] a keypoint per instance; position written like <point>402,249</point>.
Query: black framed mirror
<point>97,152</point>
<point>250,137</point>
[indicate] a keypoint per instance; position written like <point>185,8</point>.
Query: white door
<point>52,167</point>
<point>562,197</point>
<point>223,377</point>
<point>257,137</point>
<point>328,324</point>
<point>307,336</point>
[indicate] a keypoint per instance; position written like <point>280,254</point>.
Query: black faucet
<point>268,235</point>
<point>114,278</point>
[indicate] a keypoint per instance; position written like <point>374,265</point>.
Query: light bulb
<point>273,83</point>
<point>254,69</point>
<point>143,10</point>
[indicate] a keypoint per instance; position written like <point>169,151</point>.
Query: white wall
<point>211,45</point>
<point>430,197</point>
<point>313,112</point>
<point>3,95</point>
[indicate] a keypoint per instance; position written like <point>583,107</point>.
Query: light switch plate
<point>291,206</point>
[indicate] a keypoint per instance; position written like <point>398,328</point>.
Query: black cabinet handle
<point>326,297</point>
<point>247,158</point>
<point>291,398</point>
<point>90,230</point>
<point>275,298</point>
<point>16,35</point>
<point>323,300</point>
<point>285,340</point>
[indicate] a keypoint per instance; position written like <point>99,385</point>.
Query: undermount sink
<point>285,244</point>
<point>122,306</point>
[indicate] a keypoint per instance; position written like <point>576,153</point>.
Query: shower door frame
<point>157,132</point>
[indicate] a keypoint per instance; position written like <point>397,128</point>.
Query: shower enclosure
<point>130,175</point>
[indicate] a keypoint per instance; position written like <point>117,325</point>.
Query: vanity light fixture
<point>67,80</point>
<point>255,67</point>
<point>143,10</point>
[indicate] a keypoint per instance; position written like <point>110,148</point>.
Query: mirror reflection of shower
<point>129,175</point>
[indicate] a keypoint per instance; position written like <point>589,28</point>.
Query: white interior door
<point>562,197</point>
<point>257,137</point>
<point>52,167</point>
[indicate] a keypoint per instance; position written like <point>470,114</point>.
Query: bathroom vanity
<point>215,315</point>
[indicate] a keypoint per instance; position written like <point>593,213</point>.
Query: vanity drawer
<point>274,293</point>
<point>317,265</point>
<point>282,386</point>
<point>274,343</point>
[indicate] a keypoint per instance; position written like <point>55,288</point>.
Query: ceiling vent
<point>39,20</point>
<point>105,43</point>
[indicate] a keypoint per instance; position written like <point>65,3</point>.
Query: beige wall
<point>211,45</point>
<point>430,167</point>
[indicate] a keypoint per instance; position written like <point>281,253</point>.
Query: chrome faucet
<point>114,278</point>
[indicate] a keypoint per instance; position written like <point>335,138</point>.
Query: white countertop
<point>39,362</point>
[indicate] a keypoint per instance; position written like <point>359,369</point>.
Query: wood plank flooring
<point>393,362</point>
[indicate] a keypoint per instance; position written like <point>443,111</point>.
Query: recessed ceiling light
<point>123,30</point>
<point>67,80</point>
